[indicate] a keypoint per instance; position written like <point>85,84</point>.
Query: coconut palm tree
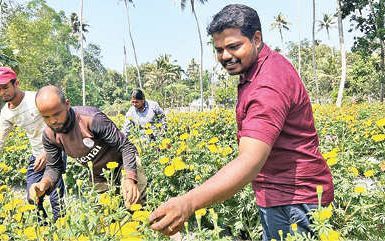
<point>327,22</point>
<point>280,22</point>
<point>126,4</point>
<point>79,28</point>
<point>343,55</point>
<point>192,5</point>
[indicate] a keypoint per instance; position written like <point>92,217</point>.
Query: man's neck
<point>15,102</point>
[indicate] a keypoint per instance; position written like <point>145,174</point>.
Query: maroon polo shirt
<point>274,107</point>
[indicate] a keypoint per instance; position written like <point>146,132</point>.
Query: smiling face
<point>236,52</point>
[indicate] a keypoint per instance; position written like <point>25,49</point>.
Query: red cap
<point>6,75</point>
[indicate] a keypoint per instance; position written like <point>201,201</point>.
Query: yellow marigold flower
<point>324,214</point>
<point>113,228</point>
<point>164,160</point>
<point>104,199</point>
<point>30,233</point>
<point>112,165</point>
<point>200,212</point>
<point>164,144</point>
<point>148,131</point>
<point>378,137</point>
<point>354,171</point>
<point>213,140</point>
<point>2,229</point>
<point>26,208</point>
<point>129,228</point>
<point>381,122</point>
<point>294,227</point>
<point>359,189</point>
<point>18,217</point>
<point>184,136</point>
<point>198,178</point>
<point>169,170</point>
<point>147,125</point>
<point>212,148</point>
<point>141,216</point>
<point>331,161</point>
<point>4,237</point>
<point>61,222</point>
<point>181,148</point>
<point>330,235</point>
<point>83,238</point>
<point>23,170</point>
<point>226,151</point>
<point>135,207</point>
<point>369,173</point>
<point>179,164</point>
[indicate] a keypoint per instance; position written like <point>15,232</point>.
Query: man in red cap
<point>20,110</point>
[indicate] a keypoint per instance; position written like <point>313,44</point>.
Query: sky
<point>161,27</point>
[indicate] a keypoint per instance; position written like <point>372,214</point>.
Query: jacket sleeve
<point>104,129</point>
<point>55,166</point>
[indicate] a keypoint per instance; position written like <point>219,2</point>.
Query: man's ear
<point>257,38</point>
<point>67,104</point>
<point>17,83</point>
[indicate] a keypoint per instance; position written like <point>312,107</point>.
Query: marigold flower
<point>201,212</point>
<point>112,165</point>
<point>169,170</point>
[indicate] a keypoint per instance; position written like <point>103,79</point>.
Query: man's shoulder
<point>152,103</point>
<point>86,110</point>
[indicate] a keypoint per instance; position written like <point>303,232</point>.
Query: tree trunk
<point>133,45</point>
<point>313,55</point>
<point>382,70</point>
<point>201,57</point>
<point>82,54</point>
<point>343,56</point>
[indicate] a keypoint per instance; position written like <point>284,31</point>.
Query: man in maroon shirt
<point>278,143</point>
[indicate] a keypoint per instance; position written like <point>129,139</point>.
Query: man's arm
<point>170,216</point>
<point>54,168</point>
<point>5,129</point>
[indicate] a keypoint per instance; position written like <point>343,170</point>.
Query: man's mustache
<point>229,62</point>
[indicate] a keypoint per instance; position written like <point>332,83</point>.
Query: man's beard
<point>9,99</point>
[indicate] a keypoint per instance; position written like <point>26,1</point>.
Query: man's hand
<point>37,190</point>
<point>169,217</point>
<point>130,192</point>
<point>40,162</point>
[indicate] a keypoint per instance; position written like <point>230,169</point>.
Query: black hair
<point>13,81</point>
<point>237,16</point>
<point>137,94</point>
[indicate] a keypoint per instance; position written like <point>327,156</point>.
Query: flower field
<point>195,146</point>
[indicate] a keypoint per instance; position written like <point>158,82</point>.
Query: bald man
<point>88,135</point>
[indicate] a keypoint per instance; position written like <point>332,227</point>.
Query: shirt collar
<point>254,69</point>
